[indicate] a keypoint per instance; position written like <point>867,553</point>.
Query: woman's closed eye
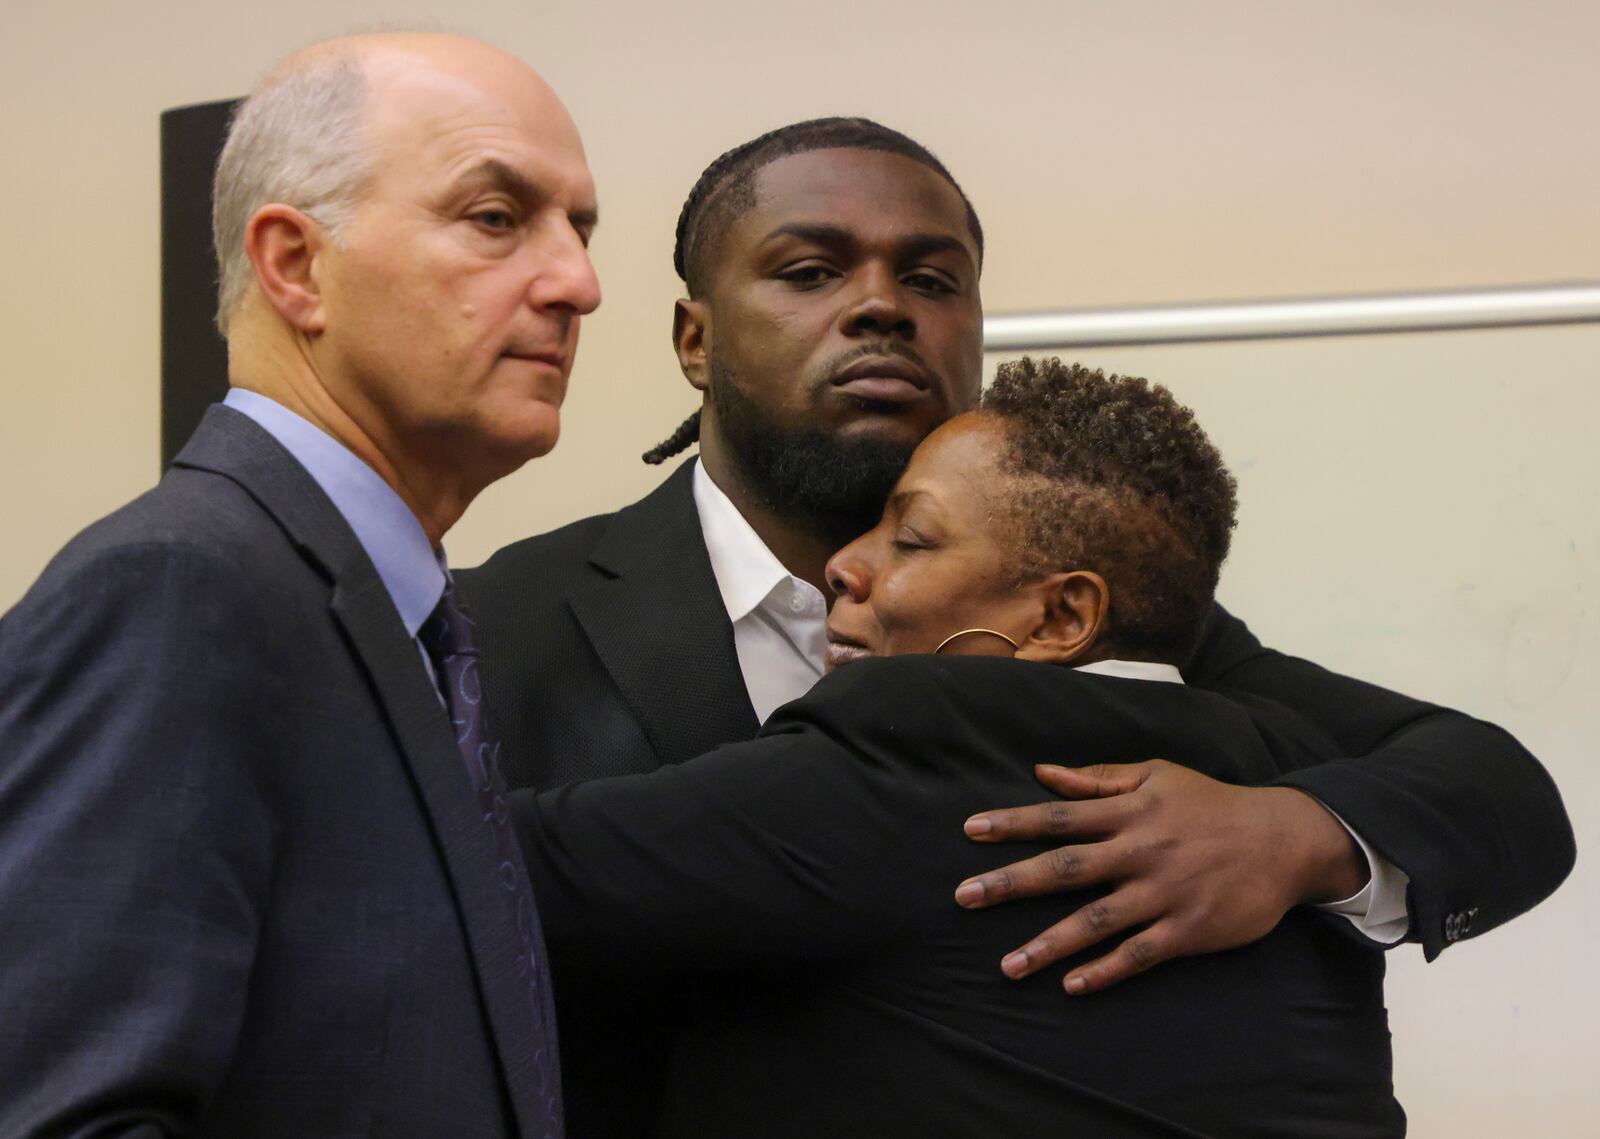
<point>906,538</point>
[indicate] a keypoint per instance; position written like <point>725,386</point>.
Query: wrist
<point>1328,865</point>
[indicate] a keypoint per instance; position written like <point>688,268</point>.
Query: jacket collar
<point>656,619</point>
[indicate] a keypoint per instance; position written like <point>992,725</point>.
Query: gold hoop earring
<point>964,632</point>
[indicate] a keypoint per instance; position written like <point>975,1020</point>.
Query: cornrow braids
<point>687,432</point>
<point>1113,474</point>
<point>727,187</point>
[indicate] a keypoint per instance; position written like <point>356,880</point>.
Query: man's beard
<point>833,486</point>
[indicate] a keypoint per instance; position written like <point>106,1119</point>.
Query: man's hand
<point>1200,865</point>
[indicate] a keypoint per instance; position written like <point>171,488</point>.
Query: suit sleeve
<point>793,846</point>
<point>1469,815</point>
<point>134,848</point>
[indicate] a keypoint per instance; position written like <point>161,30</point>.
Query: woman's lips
<point>844,652</point>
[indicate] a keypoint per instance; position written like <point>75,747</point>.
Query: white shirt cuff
<point>1378,909</point>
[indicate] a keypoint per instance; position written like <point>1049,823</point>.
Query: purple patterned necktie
<point>447,636</point>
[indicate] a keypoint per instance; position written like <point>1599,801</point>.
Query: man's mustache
<point>880,350</point>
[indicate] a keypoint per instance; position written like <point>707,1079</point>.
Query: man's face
<point>453,296</point>
<point>845,304</point>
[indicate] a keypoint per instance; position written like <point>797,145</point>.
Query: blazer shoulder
<point>195,561</point>
<point>557,553</point>
<point>919,708</point>
<point>602,544</point>
<point>191,516</point>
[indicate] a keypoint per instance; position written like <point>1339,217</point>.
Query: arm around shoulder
<point>810,842</point>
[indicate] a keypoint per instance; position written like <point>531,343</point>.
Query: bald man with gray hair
<point>301,138</point>
<point>254,864</point>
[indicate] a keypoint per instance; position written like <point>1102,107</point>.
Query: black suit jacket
<point>608,651</point>
<point>245,883</point>
<point>822,857</point>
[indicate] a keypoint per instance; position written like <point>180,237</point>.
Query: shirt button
<point>797,603</point>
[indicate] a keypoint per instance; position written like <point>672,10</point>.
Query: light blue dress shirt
<point>412,571</point>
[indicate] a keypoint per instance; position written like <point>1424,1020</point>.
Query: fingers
<point>1089,925</point>
<point>1065,868</point>
<point>1099,781</point>
<point>1140,952</point>
<point>1059,818</point>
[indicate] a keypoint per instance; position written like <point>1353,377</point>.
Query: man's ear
<point>691,332</point>
<point>283,244</point>
<point>1073,618</point>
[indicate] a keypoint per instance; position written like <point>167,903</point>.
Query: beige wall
<point>1417,510</point>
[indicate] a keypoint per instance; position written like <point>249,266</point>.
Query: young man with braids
<point>833,321</point>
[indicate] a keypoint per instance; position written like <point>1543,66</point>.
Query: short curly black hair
<point>1112,474</point>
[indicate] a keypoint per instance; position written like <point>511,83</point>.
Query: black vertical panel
<point>194,357</point>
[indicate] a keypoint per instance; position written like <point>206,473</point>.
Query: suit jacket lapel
<point>656,619</point>
<point>420,724</point>
<point>230,444</point>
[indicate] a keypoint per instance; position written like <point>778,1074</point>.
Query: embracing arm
<point>785,848</point>
<point>133,859</point>
<point>1457,804</point>
<point>1200,866</point>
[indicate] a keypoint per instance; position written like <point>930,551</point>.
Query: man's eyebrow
<point>491,172</point>
<point>912,245</point>
<point>819,232</point>
<point>924,244</point>
<point>494,173</point>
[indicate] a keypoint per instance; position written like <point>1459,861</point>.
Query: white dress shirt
<point>779,633</point>
<point>779,621</point>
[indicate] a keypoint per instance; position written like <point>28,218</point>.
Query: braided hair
<point>687,432</point>
<point>726,189</point>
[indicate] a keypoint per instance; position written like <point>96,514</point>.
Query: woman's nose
<point>847,573</point>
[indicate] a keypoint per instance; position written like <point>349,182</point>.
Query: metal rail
<point>1571,303</point>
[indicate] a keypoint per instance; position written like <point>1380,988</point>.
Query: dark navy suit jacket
<point>245,886</point>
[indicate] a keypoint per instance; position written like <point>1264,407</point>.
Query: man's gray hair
<point>300,140</point>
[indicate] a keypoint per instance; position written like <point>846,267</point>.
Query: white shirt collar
<point>1134,670</point>
<point>746,571</point>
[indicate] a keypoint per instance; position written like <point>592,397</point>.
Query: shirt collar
<point>1134,670</point>
<point>411,570</point>
<point>746,571</point>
